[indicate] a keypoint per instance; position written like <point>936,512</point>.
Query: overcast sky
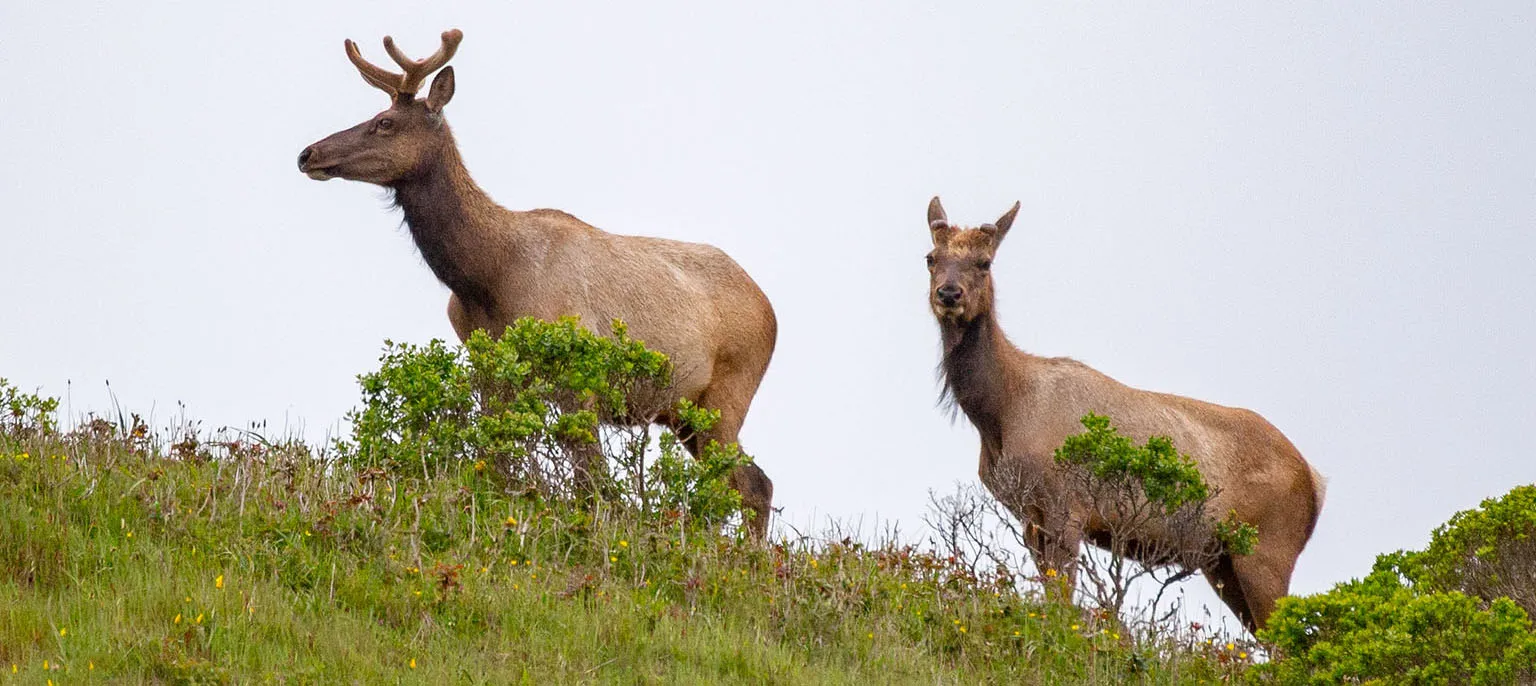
<point>1324,213</point>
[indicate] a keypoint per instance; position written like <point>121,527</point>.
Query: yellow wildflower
<point>218,581</point>
<point>1242,656</point>
<point>1050,573</point>
<point>511,521</point>
<point>177,620</point>
<point>962,629</point>
<point>90,666</point>
<point>63,631</point>
<point>612,558</point>
<point>623,544</point>
<point>413,663</point>
<point>1231,647</point>
<point>1074,627</point>
<point>199,618</point>
<point>130,533</point>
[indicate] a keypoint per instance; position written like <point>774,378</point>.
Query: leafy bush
<point>24,415</point>
<point>1382,629</point>
<point>558,411</point>
<point>1436,616</point>
<point>1153,498</point>
<point>1488,552</point>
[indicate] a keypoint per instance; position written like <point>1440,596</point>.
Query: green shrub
<point>558,411</point>
<point>1154,502</point>
<point>1438,616</point>
<point>1382,630</point>
<point>1155,473</point>
<point>25,415</point>
<point>1488,552</point>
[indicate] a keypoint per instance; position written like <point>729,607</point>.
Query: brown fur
<point>688,300</point>
<point>1025,406</point>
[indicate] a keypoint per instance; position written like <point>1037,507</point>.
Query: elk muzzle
<point>308,165</point>
<point>948,294</point>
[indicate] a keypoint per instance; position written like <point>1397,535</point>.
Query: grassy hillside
<point>188,560</point>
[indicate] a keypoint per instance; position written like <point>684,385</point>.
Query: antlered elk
<point>1024,407</point>
<point>688,300</point>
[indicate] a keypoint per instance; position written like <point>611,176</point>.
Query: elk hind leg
<point>1265,577</point>
<point>749,480</point>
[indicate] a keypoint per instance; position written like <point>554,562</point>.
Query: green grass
<point>127,559</point>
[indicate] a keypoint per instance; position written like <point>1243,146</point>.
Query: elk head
<point>960,265</point>
<point>397,142</point>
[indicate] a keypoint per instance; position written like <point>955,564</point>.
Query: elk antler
<point>416,71</point>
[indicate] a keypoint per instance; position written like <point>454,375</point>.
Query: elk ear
<point>936,212</point>
<point>442,90</point>
<point>1000,228</point>
<point>938,222</point>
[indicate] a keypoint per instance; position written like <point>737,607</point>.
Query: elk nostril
<point>948,293</point>
<point>305,155</point>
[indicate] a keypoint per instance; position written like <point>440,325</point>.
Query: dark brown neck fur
<point>451,222</point>
<point>976,371</point>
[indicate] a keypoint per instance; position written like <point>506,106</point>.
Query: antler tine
<point>382,79</point>
<point>417,71</point>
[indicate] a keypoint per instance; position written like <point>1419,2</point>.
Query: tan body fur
<point>1025,406</point>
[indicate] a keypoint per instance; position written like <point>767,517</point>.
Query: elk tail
<point>1319,493</point>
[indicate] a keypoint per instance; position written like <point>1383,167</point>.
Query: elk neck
<point>977,371</point>
<point>456,226</point>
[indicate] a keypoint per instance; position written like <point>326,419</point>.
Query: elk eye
<point>929,260</point>
<point>984,265</point>
<point>386,124</point>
